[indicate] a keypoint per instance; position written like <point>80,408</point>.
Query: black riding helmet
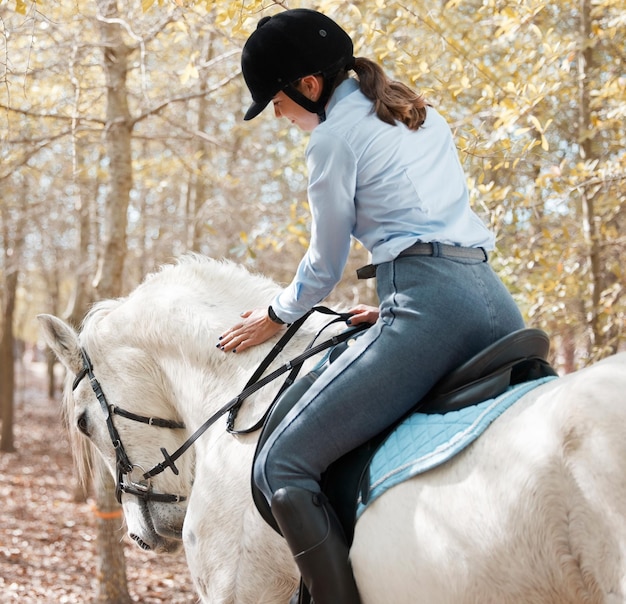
<point>289,46</point>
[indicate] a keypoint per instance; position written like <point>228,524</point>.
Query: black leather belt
<point>436,249</point>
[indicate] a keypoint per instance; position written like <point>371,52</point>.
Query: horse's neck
<point>247,364</point>
<point>205,384</point>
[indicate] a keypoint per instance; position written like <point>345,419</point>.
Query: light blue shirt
<point>385,185</point>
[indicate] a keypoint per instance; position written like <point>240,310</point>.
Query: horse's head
<point>112,395</point>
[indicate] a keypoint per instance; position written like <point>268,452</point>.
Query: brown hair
<point>393,101</point>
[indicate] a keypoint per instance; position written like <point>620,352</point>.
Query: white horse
<point>534,511</point>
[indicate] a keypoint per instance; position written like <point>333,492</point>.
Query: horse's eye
<point>82,424</point>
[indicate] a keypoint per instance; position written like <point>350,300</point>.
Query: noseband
<point>142,487</point>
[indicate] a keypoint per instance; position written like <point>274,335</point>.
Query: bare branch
<point>32,152</point>
<point>186,97</point>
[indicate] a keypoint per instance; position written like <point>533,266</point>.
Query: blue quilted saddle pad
<point>424,441</point>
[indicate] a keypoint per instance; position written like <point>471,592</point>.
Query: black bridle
<point>142,487</point>
<point>124,467</point>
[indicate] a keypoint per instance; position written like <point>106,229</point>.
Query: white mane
<point>198,295</point>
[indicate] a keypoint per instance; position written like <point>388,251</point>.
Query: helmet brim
<point>256,108</point>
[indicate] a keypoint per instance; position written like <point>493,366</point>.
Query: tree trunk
<point>111,566</point>
<point>198,192</point>
<point>7,365</point>
<point>588,193</point>
<point>87,190</point>
<point>119,125</point>
<point>13,237</point>
<point>112,584</point>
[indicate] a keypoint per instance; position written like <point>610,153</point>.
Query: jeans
<point>435,313</point>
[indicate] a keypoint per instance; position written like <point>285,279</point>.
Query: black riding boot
<point>316,540</point>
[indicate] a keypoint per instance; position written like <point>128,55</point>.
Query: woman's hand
<point>255,328</point>
<point>363,314</point>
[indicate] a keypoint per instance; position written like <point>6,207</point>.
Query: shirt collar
<point>341,92</point>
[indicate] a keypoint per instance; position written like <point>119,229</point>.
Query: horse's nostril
<point>140,542</point>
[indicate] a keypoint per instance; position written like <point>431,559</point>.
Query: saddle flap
<point>283,405</point>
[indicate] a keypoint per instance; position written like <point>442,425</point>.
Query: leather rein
<point>142,487</point>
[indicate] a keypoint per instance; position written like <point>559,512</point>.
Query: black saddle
<point>518,357</point>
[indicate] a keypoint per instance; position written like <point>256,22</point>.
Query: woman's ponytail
<point>393,101</point>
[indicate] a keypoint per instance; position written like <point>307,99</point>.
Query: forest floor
<point>47,540</point>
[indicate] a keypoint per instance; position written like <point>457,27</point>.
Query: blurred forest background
<point>123,146</point>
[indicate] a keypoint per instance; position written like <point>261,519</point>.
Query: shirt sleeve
<point>331,191</point>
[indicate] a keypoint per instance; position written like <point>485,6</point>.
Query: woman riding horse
<point>383,168</point>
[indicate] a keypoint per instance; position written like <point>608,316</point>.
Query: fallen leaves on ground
<point>47,540</point>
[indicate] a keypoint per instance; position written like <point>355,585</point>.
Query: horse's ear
<point>63,341</point>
